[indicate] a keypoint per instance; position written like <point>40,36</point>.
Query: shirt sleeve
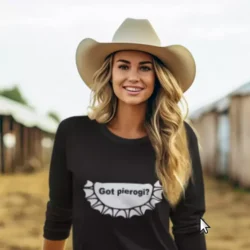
<point>187,214</point>
<point>58,217</point>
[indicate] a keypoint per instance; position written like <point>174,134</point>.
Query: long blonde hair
<point>164,124</point>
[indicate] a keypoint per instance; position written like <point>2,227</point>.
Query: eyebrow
<point>128,62</point>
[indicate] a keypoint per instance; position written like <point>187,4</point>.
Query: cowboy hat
<point>135,34</point>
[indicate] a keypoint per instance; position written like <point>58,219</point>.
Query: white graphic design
<point>123,199</point>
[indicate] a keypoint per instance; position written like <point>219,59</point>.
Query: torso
<point>117,197</point>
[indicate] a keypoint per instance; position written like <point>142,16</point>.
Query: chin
<point>133,102</point>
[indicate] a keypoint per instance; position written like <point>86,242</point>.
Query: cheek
<point>117,81</point>
<point>151,83</point>
<point>116,85</point>
<point>116,89</point>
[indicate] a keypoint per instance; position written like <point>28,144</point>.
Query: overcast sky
<point>38,40</point>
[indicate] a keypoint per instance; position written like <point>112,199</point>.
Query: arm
<point>59,207</point>
<point>55,245</point>
<point>187,214</point>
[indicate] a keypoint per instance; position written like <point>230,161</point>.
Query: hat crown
<point>136,31</point>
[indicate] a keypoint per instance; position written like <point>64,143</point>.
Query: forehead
<point>132,55</point>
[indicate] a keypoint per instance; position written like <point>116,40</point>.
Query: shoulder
<point>192,137</point>
<point>74,122</point>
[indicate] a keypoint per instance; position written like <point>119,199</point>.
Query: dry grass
<point>23,200</point>
<point>22,211</point>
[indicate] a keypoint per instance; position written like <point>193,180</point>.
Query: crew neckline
<point>122,140</point>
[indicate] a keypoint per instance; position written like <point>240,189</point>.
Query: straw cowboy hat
<point>135,34</point>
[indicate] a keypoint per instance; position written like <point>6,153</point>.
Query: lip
<point>131,93</point>
<point>133,87</point>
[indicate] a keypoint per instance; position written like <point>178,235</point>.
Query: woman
<point>119,174</point>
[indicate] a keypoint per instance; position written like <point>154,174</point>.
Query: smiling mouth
<point>133,89</point>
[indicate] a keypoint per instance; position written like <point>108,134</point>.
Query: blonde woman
<point>120,173</point>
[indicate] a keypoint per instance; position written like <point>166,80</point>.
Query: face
<point>133,77</point>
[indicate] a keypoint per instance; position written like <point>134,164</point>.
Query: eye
<point>123,66</point>
<point>145,68</point>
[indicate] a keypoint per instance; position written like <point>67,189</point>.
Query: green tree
<point>54,115</point>
<point>15,94</point>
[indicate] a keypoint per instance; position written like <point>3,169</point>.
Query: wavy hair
<point>164,124</point>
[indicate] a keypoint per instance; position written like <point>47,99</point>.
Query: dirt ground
<point>23,200</point>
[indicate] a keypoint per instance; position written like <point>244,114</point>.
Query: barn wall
<point>27,152</point>
<point>235,138</point>
<point>206,127</point>
<point>223,144</point>
<point>244,164</point>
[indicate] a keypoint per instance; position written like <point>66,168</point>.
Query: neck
<point>129,120</point>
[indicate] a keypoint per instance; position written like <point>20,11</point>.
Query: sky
<point>38,41</point>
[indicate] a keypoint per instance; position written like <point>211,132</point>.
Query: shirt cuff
<point>58,222</point>
<point>194,241</point>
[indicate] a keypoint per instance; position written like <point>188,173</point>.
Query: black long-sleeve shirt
<point>105,187</point>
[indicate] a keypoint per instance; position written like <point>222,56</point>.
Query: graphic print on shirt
<point>123,199</point>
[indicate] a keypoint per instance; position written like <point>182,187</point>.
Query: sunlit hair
<point>164,124</point>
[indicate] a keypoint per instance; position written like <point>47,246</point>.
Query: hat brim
<point>91,54</point>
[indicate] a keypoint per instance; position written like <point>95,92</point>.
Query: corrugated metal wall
<point>206,127</point>
<point>235,138</point>
<point>245,120</point>
<point>225,140</point>
<point>240,140</point>
<point>223,144</point>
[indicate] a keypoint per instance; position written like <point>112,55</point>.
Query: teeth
<point>132,89</point>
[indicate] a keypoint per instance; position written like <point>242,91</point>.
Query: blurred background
<point>40,86</point>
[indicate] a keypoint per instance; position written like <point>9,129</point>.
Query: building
<point>25,136</point>
<point>224,131</point>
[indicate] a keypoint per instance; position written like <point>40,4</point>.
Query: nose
<point>133,76</point>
